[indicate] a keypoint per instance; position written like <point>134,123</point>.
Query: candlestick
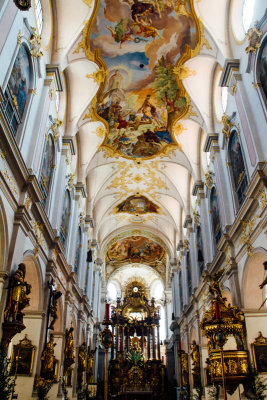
<point>107,312</point>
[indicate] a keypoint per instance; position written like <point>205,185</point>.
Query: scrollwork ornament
<point>227,125</point>
<point>36,44</point>
<point>208,179</point>
<point>253,35</point>
<point>55,128</point>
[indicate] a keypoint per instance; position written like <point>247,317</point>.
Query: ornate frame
<point>259,348</point>
<point>25,351</point>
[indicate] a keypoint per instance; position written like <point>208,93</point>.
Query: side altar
<point>136,369</point>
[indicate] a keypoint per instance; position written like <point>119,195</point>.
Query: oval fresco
<point>143,45</point>
<point>137,205</point>
<point>135,249</point>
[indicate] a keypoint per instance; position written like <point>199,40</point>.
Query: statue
<point>195,357</point>
<point>69,348</point>
<point>48,360</point>
<point>90,365</point>
<point>82,357</point>
<point>18,295</point>
<point>53,307</point>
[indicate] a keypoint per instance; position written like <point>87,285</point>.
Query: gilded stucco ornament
<point>38,229</point>
<point>55,128</point>
<point>36,44</point>
<point>227,126</point>
<point>208,179</point>
<point>247,229</point>
<point>254,38</point>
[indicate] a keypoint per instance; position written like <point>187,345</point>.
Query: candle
<point>120,346</point>
<point>107,312</point>
<point>217,310</point>
<point>179,345</point>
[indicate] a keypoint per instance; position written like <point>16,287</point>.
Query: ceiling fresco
<point>141,47</point>
<point>137,205</point>
<point>135,249</point>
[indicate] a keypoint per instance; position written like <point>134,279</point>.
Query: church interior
<point>133,201</point>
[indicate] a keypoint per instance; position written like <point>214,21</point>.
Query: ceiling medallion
<point>137,204</point>
<point>23,5</point>
<point>141,48</point>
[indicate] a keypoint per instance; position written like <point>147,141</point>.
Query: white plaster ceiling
<point>165,180</point>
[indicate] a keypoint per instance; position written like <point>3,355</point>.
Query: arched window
<point>39,15</point>
<point>262,67</point>
<point>247,14</point>
<point>78,250</point>
<point>17,89</point>
<point>65,217</point>
<point>189,274</point>
<point>47,168</point>
<point>237,167</point>
<point>200,258</point>
<point>181,290</point>
<point>215,216</point>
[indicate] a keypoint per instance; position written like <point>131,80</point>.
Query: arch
<point>237,167</point>
<point>261,71</point>
<point>34,278</point>
<point>253,275</point>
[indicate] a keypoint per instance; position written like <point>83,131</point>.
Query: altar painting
<point>135,249</point>
<point>137,205</point>
<point>141,43</point>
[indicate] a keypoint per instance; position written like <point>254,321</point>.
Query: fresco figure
<point>141,43</point>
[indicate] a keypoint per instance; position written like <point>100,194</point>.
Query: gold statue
<point>90,365</point>
<point>195,356</point>
<point>17,297</point>
<point>48,360</point>
<point>82,357</point>
<point>69,348</point>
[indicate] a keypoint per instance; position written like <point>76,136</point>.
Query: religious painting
<point>238,167</point>
<point>47,167</point>
<point>142,44</point>
<point>259,351</point>
<point>23,355</point>
<point>78,250</point>
<point>65,217</point>
<point>135,249</point>
<point>215,216</point>
<point>263,67</point>
<point>19,81</point>
<point>137,205</point>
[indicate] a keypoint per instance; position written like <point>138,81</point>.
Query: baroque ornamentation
<point>227,125</point>
<point>208,179</point>
<point>55,128</point>
<point>36,44</point>
<point>253,35</point>
<point>98,76</point>
<point>247,228</point>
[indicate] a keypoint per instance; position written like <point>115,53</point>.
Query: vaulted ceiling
<point>140,146</point>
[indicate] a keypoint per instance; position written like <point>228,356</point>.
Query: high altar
<point>136,369</point>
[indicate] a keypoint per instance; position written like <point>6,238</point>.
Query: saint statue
<point>69,348</point>
<point>82,357</point>
<point>53,307</point>
<point>18,295</point>
<point>48,360</point>
<point>195,356</point>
